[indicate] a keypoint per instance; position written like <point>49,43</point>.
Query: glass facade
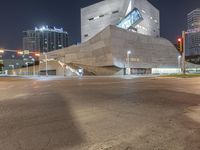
<point>193,37</point>
<point>131,20</point>
<point>45,39</point>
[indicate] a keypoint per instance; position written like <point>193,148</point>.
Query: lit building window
<point>132,19</point>
<point>97,17</point>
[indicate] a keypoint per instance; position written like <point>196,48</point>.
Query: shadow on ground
<point>38,122</point>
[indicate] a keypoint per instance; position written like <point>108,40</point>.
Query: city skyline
<point>24,15</point>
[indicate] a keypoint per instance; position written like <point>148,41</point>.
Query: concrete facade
<point>97,17</point>
<point>108,49</point>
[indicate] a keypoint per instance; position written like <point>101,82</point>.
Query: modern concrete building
<point>45,39</point>
<point>193,38</point>
<point>136,15</point>
<point>107,53</point>
<point>118,37</point>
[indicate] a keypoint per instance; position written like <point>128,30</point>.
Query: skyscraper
<point>193,37</point>
<point>45,39</point>
<point>193,19</point>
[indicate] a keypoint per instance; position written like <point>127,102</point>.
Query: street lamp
<point>1,51</point>
<point>37,55</point>
<point>33,66</point>
<point>179,61</point>
<point>27,68</point>
<point>128,62</point>
<point>45,54</point>
<point>13,67</point>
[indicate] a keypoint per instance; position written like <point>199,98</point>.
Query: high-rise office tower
<point>45,39</point>
<point>193,36</point>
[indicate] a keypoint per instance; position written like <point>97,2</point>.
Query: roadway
<point>99,113</point>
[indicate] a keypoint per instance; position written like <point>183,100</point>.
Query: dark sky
<point>19,15</point>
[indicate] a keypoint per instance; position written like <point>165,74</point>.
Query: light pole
<point>183,54</point>
<point>179,61</point>
<point>27,68</point>
<point>37,55</point>
<point>13,67</point>
<point>128,62</point>
<point>33,66</point>
<point>45,54</point>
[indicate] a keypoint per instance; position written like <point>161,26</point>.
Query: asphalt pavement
<point>99,113</point>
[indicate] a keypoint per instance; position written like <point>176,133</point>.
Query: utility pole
<point>183,54</point>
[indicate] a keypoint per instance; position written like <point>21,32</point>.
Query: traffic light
<point>180,45</point>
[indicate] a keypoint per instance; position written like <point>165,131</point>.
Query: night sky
<point>19,15</point>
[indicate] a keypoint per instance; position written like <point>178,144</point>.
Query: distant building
<point>193,38</point>
<point>45,39</point>
<point>134,15</point>
<point>193,19</point>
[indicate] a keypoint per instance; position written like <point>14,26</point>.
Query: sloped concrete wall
<point>146,51</point>
<point>95,52</point>
<point>109,49</point>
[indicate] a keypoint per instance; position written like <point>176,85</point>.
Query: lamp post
<point>128,62</point>
<point>45,54</point>
<point>183,54</point>
<point>27,68</point>
<point>13,67</point>
<point>33,66</point>
<point>37,55</point>
<point>179,61</point>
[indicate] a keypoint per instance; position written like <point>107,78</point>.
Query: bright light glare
<point>20,52</point>
<point>129,52</point>
<point>37,54</point>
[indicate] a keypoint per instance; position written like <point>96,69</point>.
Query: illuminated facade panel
<point>131,20</point>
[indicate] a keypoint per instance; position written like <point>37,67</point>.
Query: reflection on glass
<point>132,19</point>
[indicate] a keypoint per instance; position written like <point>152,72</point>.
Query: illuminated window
<point>132,19</point>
